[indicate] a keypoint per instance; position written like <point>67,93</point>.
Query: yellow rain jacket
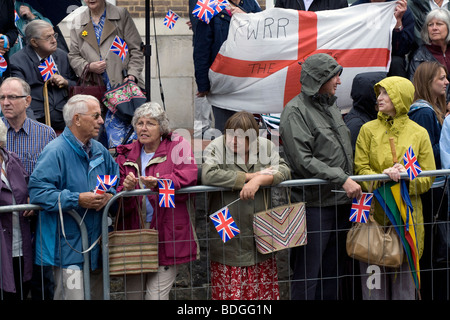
<point>373,151</point>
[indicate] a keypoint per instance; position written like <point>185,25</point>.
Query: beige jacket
<point>84,48</point>
<point>222,168</point>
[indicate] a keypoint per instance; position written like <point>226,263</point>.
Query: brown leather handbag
<point>89,83</point>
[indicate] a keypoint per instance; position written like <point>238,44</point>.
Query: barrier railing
<point>201,188</point>
<point>190,190</point>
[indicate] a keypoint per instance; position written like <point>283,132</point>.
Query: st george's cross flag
<point>257,68</point>
<point>224,223</point>
<point>119,47</point>
<point>104,183</point>
<point>166,193</point>
<point>47,68</point>
<point>361,208</point>
<point>411,164</point>
<point>170,19</point>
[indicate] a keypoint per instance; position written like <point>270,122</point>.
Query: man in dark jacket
<point>207,42</point>
<point>316,5</point>
<point>402,36</point>
<point>317,145</point>
<point>41,43</point>
<point>7,29</point>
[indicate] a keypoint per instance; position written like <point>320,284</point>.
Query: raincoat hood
<point>362,93</point>
<point>316,71</point>
<point>401,93</point>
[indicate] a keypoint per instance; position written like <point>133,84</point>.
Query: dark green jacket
<point>315,138</point>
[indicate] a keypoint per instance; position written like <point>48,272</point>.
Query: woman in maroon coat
<point>158,154</point>
<point>15,236</point>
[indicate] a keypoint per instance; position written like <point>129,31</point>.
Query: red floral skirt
<point>257,282</point>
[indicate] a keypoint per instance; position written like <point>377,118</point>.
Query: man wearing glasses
<point>41,49</point>
<point>65,175</point>
<point>27,138</point>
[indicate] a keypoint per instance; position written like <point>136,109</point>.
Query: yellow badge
<point>84,33</point>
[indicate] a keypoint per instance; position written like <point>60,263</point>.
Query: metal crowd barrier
<point>202,188</point>
<point>193,189</point>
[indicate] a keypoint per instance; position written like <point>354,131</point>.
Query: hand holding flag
<point>104,184</point>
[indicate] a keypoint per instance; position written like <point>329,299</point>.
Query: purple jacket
<point>18,179</point>
<point>172,160</point>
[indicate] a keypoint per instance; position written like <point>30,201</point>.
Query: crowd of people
<point>56,166</point>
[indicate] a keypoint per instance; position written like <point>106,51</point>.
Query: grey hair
<point>76,104</point>
<point>26,90</point>
<point>3,131</point>
<point>34,29</point>
<point>438,14</point>
<point>155,111</point>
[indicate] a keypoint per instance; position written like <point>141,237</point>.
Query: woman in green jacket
<point>244,162</point>
<point>373,156</point>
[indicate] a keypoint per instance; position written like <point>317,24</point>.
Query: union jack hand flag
<point>361,209</point>
<point>166,193</point>
<point>104,183</point>
<point>16,16</point>
<point>47,68</point>
<point>411,164</point>
<point>205,10</point>
<point>170,19</point>
<point>119,47</point>
<point>3,65</point>
<point>221,4</point>
<point>224,223</point>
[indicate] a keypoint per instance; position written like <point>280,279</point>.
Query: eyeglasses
<point>11,97</point>
<point>93,115</point>
<point>48,38</point>
<point>140,125</point>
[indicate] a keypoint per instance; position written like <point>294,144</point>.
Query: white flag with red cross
<point>257,67</point>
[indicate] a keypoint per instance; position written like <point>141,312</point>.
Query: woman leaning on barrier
<point>158,154</point>
<point>15,235</point>
<point>244,162</point>
<point>373,156</point>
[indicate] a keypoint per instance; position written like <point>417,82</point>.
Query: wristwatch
<point>399,28</point>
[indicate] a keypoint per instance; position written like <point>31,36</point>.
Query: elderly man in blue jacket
<point>65,175</point>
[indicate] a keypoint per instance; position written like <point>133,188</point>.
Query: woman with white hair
<point>157,154</point>
<point>16,262</point>
<point>435,36</point>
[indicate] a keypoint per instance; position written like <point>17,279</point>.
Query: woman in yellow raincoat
<point>373,156</point>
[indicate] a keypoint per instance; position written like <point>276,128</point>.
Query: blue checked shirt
<point>29,141</point>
